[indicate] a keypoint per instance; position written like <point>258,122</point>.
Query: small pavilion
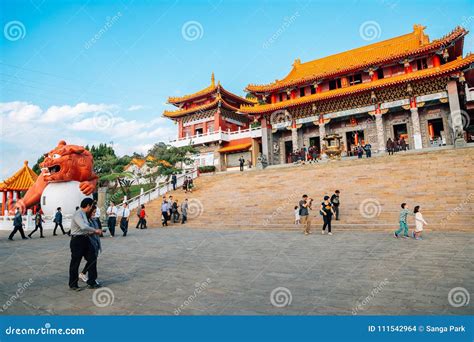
<point>12,187</point>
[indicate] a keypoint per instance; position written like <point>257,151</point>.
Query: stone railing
<point>219,135</point>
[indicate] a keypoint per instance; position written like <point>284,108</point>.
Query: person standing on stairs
<point>174,180</point>
<point>164,212</point>
<point>112,218</point>
<point>241,163</point>
<point>335,203</point>
<point>305,207</point>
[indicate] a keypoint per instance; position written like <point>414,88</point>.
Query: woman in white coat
<point>419,222</point>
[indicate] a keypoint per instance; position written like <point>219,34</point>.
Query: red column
<point>319,88</point>
<point>180,128</point>
<point>204,127</point>
<point>436,61</point>
<point>263,122</point>
<point>375,76</point>
<point>412,102</point>
<point>193,130</point>
<point>217,120</point>
<point>274,98</point>
<point>407,67</point>
<point>293,94</point>
<point>4,202</point>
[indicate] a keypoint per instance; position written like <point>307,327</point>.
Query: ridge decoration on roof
<point>394,49</point>
<point>456,65</point>
<point>216,102</point>
<point>212,88</point>
<point>22,180</point>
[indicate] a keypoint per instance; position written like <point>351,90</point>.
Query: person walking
<point>175,211</point>
<point>38,224</point>
<point>241,163</point>
<point>360,152</point>
<point>184,211</point>
<point>124,214</point>
<point>190,184</point>
<point>58,220</point>
<point>419,222</point>
<point>17,226</point>
<point>164,212</point>
<point>111,218</point>
<point>335,201</point>
<point>141,218</point>
<point>81,246</point>
<point>185,184</point>
<point>94,239</point>
<point>305,206</point>
<point>403,144</point>
<point>327,212</point>
<point>368,150</point>
<point>390,146</point>
<point>403,222</point>
<point>174,180</point>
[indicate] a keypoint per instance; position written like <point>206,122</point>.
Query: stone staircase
<point>440,181</point>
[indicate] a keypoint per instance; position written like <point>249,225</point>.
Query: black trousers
<point>60,225</point>
<point>141,223</point>
<point>174,185</point>
<point>81,247</point>
<point>184,218</point>
<point>124,225</point>
<point>165,218</point>
<point>38,226</point>
<point>111,222</point>
<point>241,168</point>
<point>17,229</point>
<point>336,211</point>
<point>327,222</point>
<point>175,216</point>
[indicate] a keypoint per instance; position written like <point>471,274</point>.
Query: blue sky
<point>59,82</point>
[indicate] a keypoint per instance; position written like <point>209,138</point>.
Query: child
<point>403,222</point>
<point>419,221</point>
<point>297,215</point>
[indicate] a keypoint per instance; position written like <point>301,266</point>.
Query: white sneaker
<point>322,232</point>
<point>329,233</point>
<point>83,277</point>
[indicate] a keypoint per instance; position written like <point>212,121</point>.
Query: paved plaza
<point>183,271</point>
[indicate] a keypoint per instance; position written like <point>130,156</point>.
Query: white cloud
<point>135,107</point>
<point>19,111</point>
<point>66,112</point>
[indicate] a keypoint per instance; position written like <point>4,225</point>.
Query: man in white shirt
<point>112,218</point>
<point>124,214</point>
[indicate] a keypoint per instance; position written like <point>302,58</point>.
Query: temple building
<point>12,187</point>
<point>209,120</point>
<point>407,86</point>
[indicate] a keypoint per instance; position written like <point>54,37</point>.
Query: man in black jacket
<point>335,203</point>
<point>17,226</point>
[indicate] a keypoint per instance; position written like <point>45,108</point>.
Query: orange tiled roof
<point>360,58</point>
<point>181,112</point>
<point>447,68</point>
<point>22,180</point>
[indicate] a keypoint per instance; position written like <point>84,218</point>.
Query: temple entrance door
<point>353,139</point>
<point>198,131</point>
<point>436,132</point>
<point>288,150</point>
<point>400,131</point>
<point>315,142</point>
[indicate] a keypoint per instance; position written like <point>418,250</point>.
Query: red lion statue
<point>62,164</point>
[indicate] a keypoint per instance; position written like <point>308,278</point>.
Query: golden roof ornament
<point>213,80</point>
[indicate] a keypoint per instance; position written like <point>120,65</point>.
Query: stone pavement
<point>205,272</point>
